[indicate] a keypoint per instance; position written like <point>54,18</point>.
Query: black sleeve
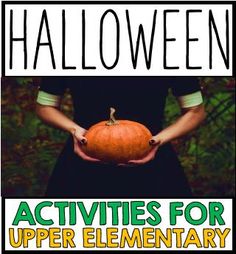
<point>184,85</point>
<point>53,85</point>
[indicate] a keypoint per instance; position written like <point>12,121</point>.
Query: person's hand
<point>155,142</point>
<point>79,141</point>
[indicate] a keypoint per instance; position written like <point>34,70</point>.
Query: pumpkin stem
<point>112,119</point>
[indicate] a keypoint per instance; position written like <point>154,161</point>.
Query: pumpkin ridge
<point>131,139</point>
<point>144,128</point>
<point>93,135</point>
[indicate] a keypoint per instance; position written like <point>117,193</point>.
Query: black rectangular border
<point>117,250</point>
<point>4,3</point>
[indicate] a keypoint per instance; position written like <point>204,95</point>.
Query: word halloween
<point>133,40</point>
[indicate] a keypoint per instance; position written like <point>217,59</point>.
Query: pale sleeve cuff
<point>48,99</point>
<point>190,100</point>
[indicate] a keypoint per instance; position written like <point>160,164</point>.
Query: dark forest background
<point>30,148</point>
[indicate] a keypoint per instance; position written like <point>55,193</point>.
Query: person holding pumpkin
<point>141,99</point>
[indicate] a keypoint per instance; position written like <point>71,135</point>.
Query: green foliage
<point>30,148</point>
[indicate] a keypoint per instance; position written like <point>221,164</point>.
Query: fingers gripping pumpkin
<point>117,141</point>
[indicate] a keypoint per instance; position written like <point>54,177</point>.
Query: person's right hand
<point>79,141</point>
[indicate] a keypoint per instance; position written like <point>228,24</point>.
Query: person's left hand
<point>155,143</point>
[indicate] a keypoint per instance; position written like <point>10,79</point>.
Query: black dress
<point>140,99</point>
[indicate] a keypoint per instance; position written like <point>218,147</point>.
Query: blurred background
<point>30,148</point>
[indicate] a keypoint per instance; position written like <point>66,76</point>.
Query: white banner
<point>121,224</point>
<point>117,39</point>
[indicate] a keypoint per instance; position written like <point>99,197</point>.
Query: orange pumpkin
<point>117,141</point>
